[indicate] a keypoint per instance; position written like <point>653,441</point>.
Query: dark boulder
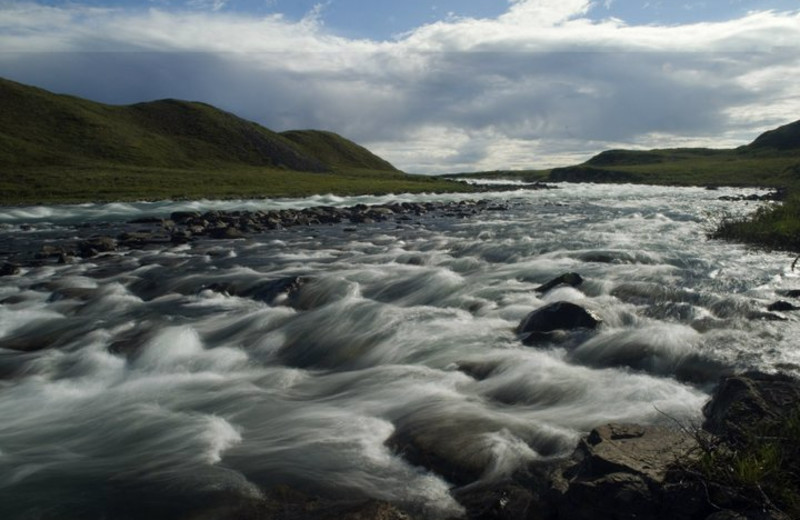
<point>50,251</point>
<point>182,217</point>
<point>226,232</point>
<point>743,403</point>
<point>792,293</point>
<point>180,236</point>
<point>284,288</point>
<point>139,239</point>
<point>571,279</point>
<point>8,269</point>
<point>782,306</point>
<point>545,322</point>
<point>96,245</point>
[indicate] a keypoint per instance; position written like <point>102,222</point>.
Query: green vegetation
<point>774,227</point>
<point>61,185</point>
<point>744,166</point>
<point>56,148</point>
<point>760,470</point>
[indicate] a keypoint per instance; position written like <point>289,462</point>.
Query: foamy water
<point>149,383</point>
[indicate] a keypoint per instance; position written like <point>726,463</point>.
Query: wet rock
<point>793,293</point>
<point>139,239</point>
<point>83,294</point>
<point>226,233</point>
<point>50,251</point>
<point>283,289</point>
<point>503,501</point>
<point>180,236</point>
<point>571,279</point>
<point>284,503</point>
<point>478,369</point>
<point>782,306</point>
<point>182,217</point>
<point>96,245</point>
<point>453,460</point>
<point>559,316</point>
<point>742,402</point>
<point>9,269</point>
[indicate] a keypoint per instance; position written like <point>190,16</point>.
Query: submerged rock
<point>570,279</point>
<point>546,322</point>
<point>282,290</point>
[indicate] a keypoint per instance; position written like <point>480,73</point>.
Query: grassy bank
<point>774,227</point>
<point>50,185</point>
<point>759,471</point>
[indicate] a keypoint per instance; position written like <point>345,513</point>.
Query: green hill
<point>57,148</point>
<point>785,137</point>
<point>772,159</point>
<point>336,151</point>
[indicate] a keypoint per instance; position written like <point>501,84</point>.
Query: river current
<point>149,385</point>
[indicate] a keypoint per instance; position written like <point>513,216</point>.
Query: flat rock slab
<point>618,472</point>
<point>628,448</point>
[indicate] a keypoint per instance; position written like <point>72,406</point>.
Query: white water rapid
<point>153,377</point>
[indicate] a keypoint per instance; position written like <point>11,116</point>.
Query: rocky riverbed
<point>185,226</point>
<point>398,357</point>
<point>617,472</point>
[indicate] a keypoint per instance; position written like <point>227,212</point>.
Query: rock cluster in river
<point>185,226</point>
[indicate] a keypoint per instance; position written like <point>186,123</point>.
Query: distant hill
<point>771,159</point>
<point>41,129</point>
<point>785,137</point>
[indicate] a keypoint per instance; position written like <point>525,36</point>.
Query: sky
<point>434,86</point>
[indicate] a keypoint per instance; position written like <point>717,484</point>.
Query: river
<point>152,386</point>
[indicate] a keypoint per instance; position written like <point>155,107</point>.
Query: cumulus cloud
<point>538,86</point>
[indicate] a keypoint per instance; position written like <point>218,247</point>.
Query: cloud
<point>537,86</point>
<point>214,5</point>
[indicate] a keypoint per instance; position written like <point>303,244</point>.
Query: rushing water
<point>146,383</point>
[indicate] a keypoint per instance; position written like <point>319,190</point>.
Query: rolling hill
<point>40,128</point>
<point>772,159</point>
<point>59,148</point>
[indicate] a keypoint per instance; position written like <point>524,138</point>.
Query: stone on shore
<point>620,471</point>
<point>741,403</point>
